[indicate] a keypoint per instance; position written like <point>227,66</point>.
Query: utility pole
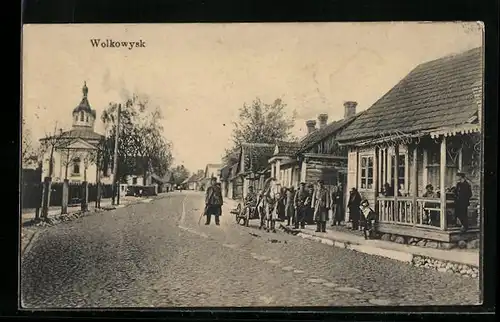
<point>115,159</point>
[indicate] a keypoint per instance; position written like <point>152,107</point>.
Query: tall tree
<point>49,144</point>
<point>260,122</point>
<point>141,148</point>
<point>180,174</point>
<point>28,148</point>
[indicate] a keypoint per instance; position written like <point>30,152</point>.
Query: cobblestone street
<point>159,254</point>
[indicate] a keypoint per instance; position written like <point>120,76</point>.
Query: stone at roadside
<point>445,245</point>
<point>386,237</point>
<point>431,244</point>
<point>400,240</point>
<point>473,244</point>
<point>422,243</point>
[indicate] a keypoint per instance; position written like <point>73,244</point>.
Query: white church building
<point>75,150</point>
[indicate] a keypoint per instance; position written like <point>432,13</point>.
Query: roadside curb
<point>406,257</point>
<point>28,243</point>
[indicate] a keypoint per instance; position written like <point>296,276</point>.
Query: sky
<point>199,75</point>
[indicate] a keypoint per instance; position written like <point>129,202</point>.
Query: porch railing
<point>425,213</point>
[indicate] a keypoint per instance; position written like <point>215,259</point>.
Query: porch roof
<point>438,94</point>
<point>287,149</point>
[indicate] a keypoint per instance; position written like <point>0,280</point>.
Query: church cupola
<point>83,115</point>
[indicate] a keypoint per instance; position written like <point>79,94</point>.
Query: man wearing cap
<point>213,201</point>
<point>463,193</point>
<point>321,204</point>
<point>301,202</point>
<point>289,208</point>
<point>370,219</point>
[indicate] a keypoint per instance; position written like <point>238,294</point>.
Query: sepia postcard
<point>251,165</point>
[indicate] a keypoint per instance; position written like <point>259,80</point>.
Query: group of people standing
<point>297,207</point>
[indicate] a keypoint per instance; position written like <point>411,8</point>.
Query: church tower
<point>83,115</point>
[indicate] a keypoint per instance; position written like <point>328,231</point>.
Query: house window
<point>134,180</point>
<point>366,172</point>
<point>401,170</point>
<point>76,166</point>
<point>82,115</point>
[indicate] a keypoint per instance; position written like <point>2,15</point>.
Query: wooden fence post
<point>65,196</point>
<point>47,182</point>
<point>85,196</point>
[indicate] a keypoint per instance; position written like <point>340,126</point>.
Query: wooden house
<point>224,175</point>
<point>423,131</point>
<point>319,155</point>
<point>284,165</point>
<point>251,167</point>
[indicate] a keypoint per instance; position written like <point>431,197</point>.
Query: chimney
<point>350,109</point>
<point>311,126</point>
<point>322,120</point>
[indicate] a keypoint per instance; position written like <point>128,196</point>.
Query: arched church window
<point>76,166</point>
<point>82,115</point>
<point>87,118</point>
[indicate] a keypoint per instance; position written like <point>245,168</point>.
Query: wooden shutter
<point>352,176</point>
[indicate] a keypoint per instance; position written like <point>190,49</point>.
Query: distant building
<point>75,150</point>
<point>211,171</point>
<point>192,183</point>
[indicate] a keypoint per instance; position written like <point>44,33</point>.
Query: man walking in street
<point>463,193</point>
<point>290,210</point>
<point>302,203</point>
<point>213,202</point>
<point>321,203</point>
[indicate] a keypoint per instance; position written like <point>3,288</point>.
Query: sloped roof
<point>213,165</point>
<point>233,170</point>
<point>436,94</point>
<point>157,178</point>
<point>320,134</point>
<point>80,133</point>
<point>256,155</point>
<point>225,172</point>
<point>192,178</point>
<point>287,149</point>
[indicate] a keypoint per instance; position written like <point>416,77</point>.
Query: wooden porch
<point>409,210</point>
<point>423,218</point>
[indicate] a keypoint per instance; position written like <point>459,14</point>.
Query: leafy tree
<point>180,174</point>
<point>141,147</point>
<point>49,144</point>
<point>260,122</point>
<point>29,150</point>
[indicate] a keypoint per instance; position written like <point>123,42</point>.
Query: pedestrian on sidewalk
<point>370,220</point>
<point>310,208</point>
<point>301,202</point>
<point>213,202</point>
<point>281,205</point>
<point>321,202</point>
<point>270,202</point>
<point>290,209</point>
<point>463,193</point>
<point>353,205</point>
<point>337,205</point>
